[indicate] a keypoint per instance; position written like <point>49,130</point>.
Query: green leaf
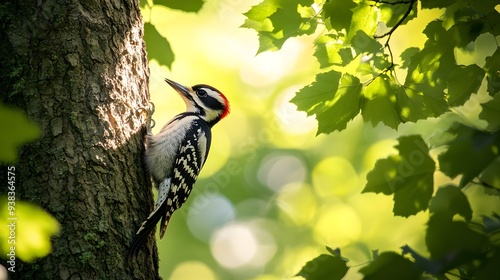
<point>406,56</point>
<point>465,32</point>
<point>432,65</point>
<point>491,223</point>
<point>420,101</point>
<point>311,98</point>
<point>492,68</point>
<point>258,17</point>
<point>340,13</point>
<point>304,2</point>
<point>434,267</point>
<point>459,12</point>
<point>491,176</point>
<point>364,18</point>
<point>380,62</point>
<point>363,43</point>
<point>259,26</point>
<point>469,153</point>
<point>491,113</point>
<point>437,34</point>
<point>269,42</point>
<point>286,20</point>
<point>342,107</point>
<point>335,252</point>
<point>409,176</point>
<point>17,130</point>
<point>423,93</point>
<point>309,22</point>
<point>493,22</point>
<point>380,104</point>
<point>365,69</point>
<point>489,270</point>
<point>453,241</point>
<point>484,6</point>
<point>329,52</point>
<point>381,178</point>
<point>450,200</point>
<point>392,13</point>
<point>414,197</point>
<point>262,11</point>
<point>276,21</point>
<point>462,82</point>
<point>157,46</point>
<point>390,265</point>
<point>431,4</point>
<point>186,6</point>
<point>324,267</point>
<point>34,228</point>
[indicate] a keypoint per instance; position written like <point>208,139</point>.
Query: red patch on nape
<point>227,107</point>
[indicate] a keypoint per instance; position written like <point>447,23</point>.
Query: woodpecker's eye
<point>201,93</point>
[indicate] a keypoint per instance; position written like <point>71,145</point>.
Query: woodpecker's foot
<point>150,123</point>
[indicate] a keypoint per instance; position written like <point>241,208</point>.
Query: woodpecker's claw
<point>150,123</point>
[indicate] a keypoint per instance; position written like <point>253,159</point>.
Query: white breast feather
<point>162,147</point>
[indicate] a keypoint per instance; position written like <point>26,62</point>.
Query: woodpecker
<point>175,156</point>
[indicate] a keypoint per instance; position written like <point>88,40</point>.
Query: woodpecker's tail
<point>141,237</point>
<point>148,226</point>
<point>164,222</point>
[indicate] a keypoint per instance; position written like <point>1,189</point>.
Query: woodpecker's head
<point>205,100</point>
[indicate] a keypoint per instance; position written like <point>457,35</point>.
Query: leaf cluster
<point>157,45</point>
<point>456,242</point>
<point>359,75</point>
<point>359,68</point>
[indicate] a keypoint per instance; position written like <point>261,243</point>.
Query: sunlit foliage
<point>20,130</point>
<point>26,229</point>
<point>25,235</point>
<point>408,93</point>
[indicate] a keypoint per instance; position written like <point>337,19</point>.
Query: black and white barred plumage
<point>174,157</point>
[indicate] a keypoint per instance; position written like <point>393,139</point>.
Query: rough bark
<point>79,70</point>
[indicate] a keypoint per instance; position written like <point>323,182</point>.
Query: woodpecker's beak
<point>184,91</point>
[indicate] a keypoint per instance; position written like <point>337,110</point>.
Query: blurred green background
<point>272,194</point>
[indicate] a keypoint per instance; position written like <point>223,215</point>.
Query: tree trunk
<point>79,70</point>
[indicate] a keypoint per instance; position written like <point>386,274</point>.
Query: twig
<point>407,13</point>
<point>390,32</point>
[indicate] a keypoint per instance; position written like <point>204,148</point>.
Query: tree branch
<point>407,13</point>
<point>390,32</point>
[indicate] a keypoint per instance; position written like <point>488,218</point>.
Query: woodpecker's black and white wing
<point>175,190</point>
<point>191,158</point>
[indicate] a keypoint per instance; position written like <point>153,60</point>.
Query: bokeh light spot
<point>334,176</point>
<point>207,213</point>
<point>234,246</point>
<point>268,67</point>
<point>338,226</point>
<point>279,170</point>
<point>295,257</point>
<point>243,246</point>
<point>297,203</point>
<point>379,150</point>
<point>192,270</point>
